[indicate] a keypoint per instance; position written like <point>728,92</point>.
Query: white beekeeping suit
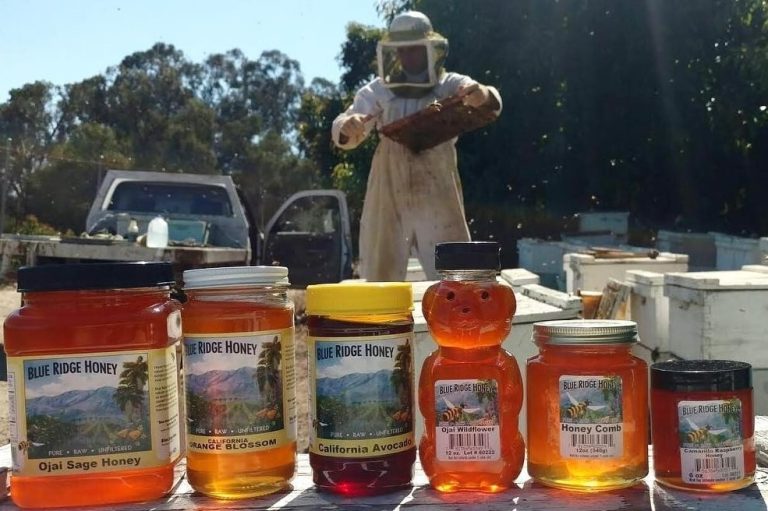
<point>412,199</point>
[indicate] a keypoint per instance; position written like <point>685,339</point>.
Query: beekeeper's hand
<point>476,98</point>
<point>353,128</point>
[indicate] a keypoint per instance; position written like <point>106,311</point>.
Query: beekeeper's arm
<point>351,127</point>
<point>456,83</point>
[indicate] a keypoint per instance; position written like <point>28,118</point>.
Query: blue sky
<point>65,41</point>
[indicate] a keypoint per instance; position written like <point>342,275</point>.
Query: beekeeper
<point>413,200</point>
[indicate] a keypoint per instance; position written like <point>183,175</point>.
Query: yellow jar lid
<point>359,298</point>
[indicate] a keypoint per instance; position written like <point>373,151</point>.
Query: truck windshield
<point>189,199</point>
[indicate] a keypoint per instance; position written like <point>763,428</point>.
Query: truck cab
<point>309,233</point>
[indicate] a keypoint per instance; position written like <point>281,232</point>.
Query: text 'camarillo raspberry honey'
<point>360,350</point>
<point>239,379</point>
<point>92,378</point>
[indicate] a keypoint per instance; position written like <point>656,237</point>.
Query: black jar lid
<point>468,255</point>
<point>701,375</point>
<point>71,277</point>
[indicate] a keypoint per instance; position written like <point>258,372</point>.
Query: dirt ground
<point>10,300</point>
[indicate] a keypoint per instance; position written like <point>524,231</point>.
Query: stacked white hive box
<point>700,247</point>
<point>649,308</point>
<point>733,252</point>
<point>589,273</point>
<point>722,315</point>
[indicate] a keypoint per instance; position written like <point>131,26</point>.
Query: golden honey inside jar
<point>587,406</point>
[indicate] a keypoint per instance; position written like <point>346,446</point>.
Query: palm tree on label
<point>401,381</point>
<point>130,390</point>
<point>268,374</point>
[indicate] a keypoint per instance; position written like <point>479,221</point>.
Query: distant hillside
<point>78,404</point>
<point>359,387</point>
<point>239,384</point>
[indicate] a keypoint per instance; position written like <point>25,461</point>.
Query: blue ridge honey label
<point>711,441</point>
<point>467,420</point>
<point>95,412</point>
<point>361,395</point>
<point>591,416</point>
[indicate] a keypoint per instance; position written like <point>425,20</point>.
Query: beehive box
<point>616,222</point>
<point>649,308</point>
<point>545,258</point>
<point>721,315</point>
<point>733,252</point>
<point>590,273</point>
<point>699,246</point>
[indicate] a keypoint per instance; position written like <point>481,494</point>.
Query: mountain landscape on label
<point>359,387</point>
<point>238,384</point>
<point>78,403</point>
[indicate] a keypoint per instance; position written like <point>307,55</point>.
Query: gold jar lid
<point>585,332</point>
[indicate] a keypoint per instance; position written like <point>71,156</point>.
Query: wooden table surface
<point>527,495</point>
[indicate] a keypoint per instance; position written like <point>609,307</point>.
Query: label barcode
<point>468,440</point>
<point>599,439</point>
<point>728,462</point>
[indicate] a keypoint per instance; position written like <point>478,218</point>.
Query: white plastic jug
<point>157,233</point>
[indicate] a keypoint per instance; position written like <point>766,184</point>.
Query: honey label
<point>711,446</point>
<point>95,412</point>
<point>467,420</point>
<point>240,391</point>
<point>591,417</point>
<point>361,395</point>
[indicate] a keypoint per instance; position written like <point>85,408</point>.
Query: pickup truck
<point>209,224</point>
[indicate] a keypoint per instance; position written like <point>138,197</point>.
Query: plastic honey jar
<point>703,424</point>
<point>92,381</point>
<point>470,389</point>
<point>587,406</point>
<point>239,380</point>
<point>361,384</point>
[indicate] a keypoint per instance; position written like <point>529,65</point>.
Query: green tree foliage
<point>156,110</point>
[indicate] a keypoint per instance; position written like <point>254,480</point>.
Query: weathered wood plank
<point>526,495</point>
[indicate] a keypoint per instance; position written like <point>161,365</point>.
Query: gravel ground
<point>10,300</point>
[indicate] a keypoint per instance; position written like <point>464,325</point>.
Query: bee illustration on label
<point>131,433</point>
<point>699,435</point>
<point>24,445</point>
<point>317,422</point>
<point>454,414</point>
<point>578,409</point>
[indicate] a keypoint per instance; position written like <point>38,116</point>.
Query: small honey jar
<point>703,424</point>
<point>587,406</point>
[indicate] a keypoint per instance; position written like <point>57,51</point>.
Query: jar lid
<point>233,276</point>
<point>468,255</point>
<point>359,298</point>
<point>701,375</point>
<point>71,277</point>
<point>585,332</point>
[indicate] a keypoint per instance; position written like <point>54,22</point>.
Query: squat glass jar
<point>240,381</point>
<point>92,379</point>
<point>587,406</point>
<point>703,424</point>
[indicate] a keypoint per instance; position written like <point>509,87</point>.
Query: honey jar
<point>587,406</point>
<point>92,380</point>
<point>703,424</point>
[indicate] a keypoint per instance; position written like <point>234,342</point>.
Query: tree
<point>129,394</point>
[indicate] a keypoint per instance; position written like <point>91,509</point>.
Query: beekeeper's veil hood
<point>411,55</point>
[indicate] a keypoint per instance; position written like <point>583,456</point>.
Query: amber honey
<point>93,383</point>
<point>470,389</point>
<point>239,381</point>
<point>703,424</point>
<point>360,349</point>
<point>587,406</point>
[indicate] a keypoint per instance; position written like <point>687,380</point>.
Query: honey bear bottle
<point>470,390</point>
